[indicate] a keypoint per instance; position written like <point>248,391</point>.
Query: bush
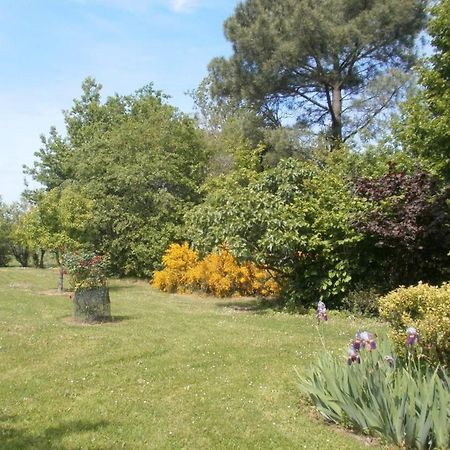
<point>4,256</point>
<point>4,241</point>
<point>425,308</point>
<point>405,225</point>
<point>295,219</point>
<point>218,274</point>
<point>363,302</point>
<point>403,403</point>
<point>177,260</point>
<point>87,270</point>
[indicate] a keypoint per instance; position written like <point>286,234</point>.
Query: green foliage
<point>4,236</point>
<point>60,221</point>
<point>87,270</point>
<point>140,159</point>
<point>241,138</point>
<point>424,128</point>
<point>324,60</point>
<point>18,244</point>
<point>407,404</point>
<point>425,308</point>
<point>362,301</point>
<point>293,219</point>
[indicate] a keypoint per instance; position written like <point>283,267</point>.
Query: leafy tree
<point>4,235</point>
<point>55,160</point>
<point>330,61</point>
<point>60,222</point>
<point>141,160</point>
<point>18,244</point>
<point>407,229</point>
<point>293,219</point>
<point>424,129</point>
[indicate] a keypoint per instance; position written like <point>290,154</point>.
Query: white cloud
<point>180,6</point>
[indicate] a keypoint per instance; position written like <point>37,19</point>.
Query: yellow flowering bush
<point>177,261</point>
<point>218,274</point>
<point>423,308</point>
<point>256,281</point>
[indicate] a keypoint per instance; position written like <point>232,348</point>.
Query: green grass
<point>170,371</point>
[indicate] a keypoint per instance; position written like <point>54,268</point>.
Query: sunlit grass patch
<point>170,371</point>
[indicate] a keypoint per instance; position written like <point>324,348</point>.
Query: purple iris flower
<point>364,339</point>
<point>353,356</point>
<point>413,336</point>
<point>321,312</point>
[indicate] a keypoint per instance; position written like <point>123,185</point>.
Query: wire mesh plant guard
<point>91,299</point>
<point>92,304</point>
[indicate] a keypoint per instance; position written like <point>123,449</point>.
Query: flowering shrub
<point>420,317</point>
<point>177,260</point>
<point>218,274</point>
<point>87,270</point>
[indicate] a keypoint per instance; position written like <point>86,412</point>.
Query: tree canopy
<point>321,59</point>
<point>139,158</point>
<point>293,219</point>
<point>130,175</point>
<point>424,129</point>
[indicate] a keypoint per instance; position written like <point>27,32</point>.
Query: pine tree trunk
<point>336,117</point>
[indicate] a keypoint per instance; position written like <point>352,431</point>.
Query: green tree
<point>15,214</point>
<point>293,219</point>
<point>56,159</point>
<point>141,160</point>
<point>330,61</point>
<point>4,235</point>
<point>59,222</point>
<point>424,129</point>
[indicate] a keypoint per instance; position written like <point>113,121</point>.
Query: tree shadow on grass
<point>108,321</point>
<point>118,287</point>
<point>14,437</point>
<point>251,305</point>
<point>116,319</point>
<point>123,285</point>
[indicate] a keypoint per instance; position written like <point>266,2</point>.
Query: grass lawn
<point>170,372</point>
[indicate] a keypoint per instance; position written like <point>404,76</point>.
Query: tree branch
<point>370,117</point>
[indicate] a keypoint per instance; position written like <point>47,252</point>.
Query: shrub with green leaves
<point>425,308</point>
<point>87,270</point>
<point>362,301</point>
<point>293,219</point>
<point>407,404</point>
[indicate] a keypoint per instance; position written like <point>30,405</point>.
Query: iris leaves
<point>407,404</point>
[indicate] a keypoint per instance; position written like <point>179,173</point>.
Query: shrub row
<point>218,274</point>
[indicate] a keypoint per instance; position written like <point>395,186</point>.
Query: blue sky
<point>47,47</point>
